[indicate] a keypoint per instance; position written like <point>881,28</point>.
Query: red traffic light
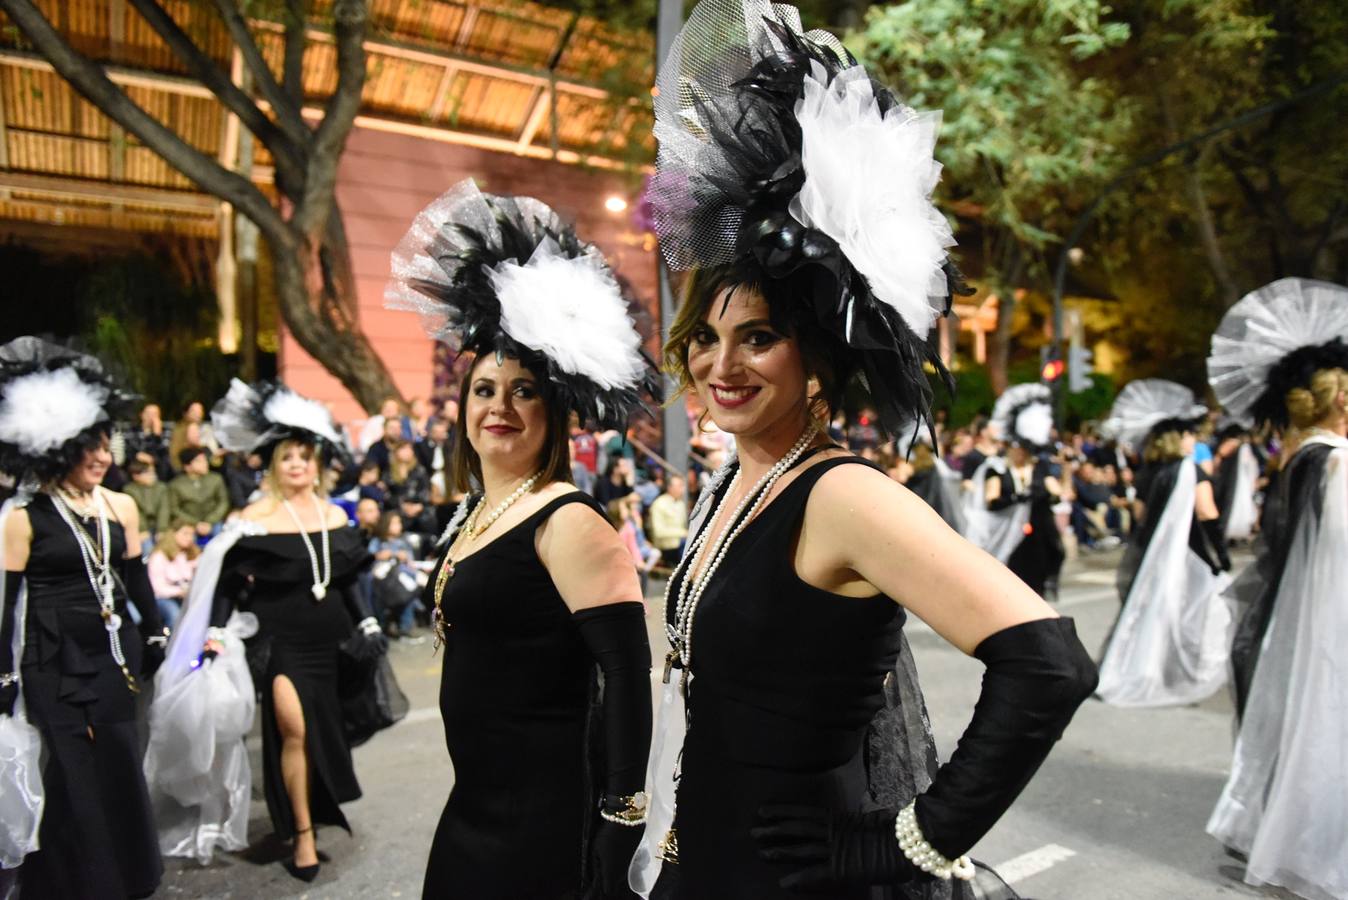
<point>1053,369</point>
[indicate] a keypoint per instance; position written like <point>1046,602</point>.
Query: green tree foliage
<point>1031,126</point>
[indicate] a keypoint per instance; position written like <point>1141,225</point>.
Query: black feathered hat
<point>505,275</point>
<point>779,156</point>
<point>256,418</point>
<point>55,403</point>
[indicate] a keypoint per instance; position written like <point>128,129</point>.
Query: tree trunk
<point>316,291</point>
<point>1207,234</point>
<point>999,352</point>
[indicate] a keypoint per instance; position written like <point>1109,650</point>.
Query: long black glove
<point>9,669</point>
<point>1214,546</point>
<point>1038,673</point>
<point>363,615</point>
<point>136,579</point>
<point>1004,501</point>
<point>616,637</point>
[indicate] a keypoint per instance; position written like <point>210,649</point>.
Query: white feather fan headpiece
<point>1144,404</point>
<point>1024,414</point>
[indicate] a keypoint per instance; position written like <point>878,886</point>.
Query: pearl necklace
<point>691,588</point>
<point>474,529</point>
<point>470,530</point>
<point>98,569</point>
<point>320,588</point>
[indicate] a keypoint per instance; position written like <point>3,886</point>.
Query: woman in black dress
<point>74,550</point>
<point>1025,418</point>
<point>535,588</point>
<point>295,568</point>
<point>786,614</point>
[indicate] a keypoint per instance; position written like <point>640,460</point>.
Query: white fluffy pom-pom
<point>1035,424</point>
<point>868,183</point>
<point>285,407</point>
<point>41,411</point>
<point>571,310</point>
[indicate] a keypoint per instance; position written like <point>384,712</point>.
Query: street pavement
<point>1117,812</point>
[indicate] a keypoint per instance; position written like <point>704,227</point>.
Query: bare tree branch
<point>288,115</point>
<point>90,80</point>
<point>209,74</point>
<point>350,20</point>
<point>292,70</point>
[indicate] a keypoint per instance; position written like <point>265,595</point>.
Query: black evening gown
<point>786,680</point>
<point>298,637</point>
<point>515,691</point>
<point>1038,558</point>
<point>97,835</point>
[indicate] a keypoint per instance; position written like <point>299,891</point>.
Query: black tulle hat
<point>55,403</point>
<point>507,276</point>
<point>779,157</point>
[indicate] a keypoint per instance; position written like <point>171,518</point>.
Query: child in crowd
<point>170,566</point>
<point>397,583</point>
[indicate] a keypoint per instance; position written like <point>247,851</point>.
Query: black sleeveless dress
<point>1038,558</point>
<point>786,679</point>
<point>97,836</point>
<point>514,694</point>
<point>271,576</point>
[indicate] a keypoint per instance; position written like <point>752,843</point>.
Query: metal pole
<point>668,21</point>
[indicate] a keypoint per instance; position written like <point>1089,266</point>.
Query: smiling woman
<point>795,191</point>
<point>535,592</point>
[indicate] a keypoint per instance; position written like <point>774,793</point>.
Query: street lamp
<point>615,204</point>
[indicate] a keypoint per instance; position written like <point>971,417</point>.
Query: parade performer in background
<point>292,563</point>
<point>928,476</point>
<point>1020,489</point>
<point>1280,355</point>
<point>794,192</point>
<point>72,661</point>
<point>1169,645</point>
<point>1235,482</point>
<point>534,587</point>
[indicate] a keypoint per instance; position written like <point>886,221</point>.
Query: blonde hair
<point>1308,405</point>
<point>168,543</point>
<point>1165,447</point>
<point>271,482</point>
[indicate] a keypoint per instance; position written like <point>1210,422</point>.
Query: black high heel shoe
<point>303,873</point>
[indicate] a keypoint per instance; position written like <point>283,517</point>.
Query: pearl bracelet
<point>631,816</point>
<point>924,855</point>
<point>369,626</point>
<point>9,678</point>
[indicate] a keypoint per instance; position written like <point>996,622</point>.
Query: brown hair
<point>271,481</point>
<point>824,358</point>
<point>556,457</point>
<point>397,471</point>
<point>1309,405</point>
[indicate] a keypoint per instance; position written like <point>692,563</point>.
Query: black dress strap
<point>576,496</point>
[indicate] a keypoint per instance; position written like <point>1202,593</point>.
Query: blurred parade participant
<point>72,660</point>
<point>1016,523</point>
<point>1280,356</point>
<point>794,192</point>
<point>289,568</point>
<point>534,587</point>
<point>1169,644</point>
<point>1235,483</point>
<point>927,475</point>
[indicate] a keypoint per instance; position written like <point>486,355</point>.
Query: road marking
<point>1034,862</point>
<point>1094,577</point>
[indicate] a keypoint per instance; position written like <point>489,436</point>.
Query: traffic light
<point>1052,371</point>
<point>1079,368</point>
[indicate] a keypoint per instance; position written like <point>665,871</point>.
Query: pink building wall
<point>386,179</point>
